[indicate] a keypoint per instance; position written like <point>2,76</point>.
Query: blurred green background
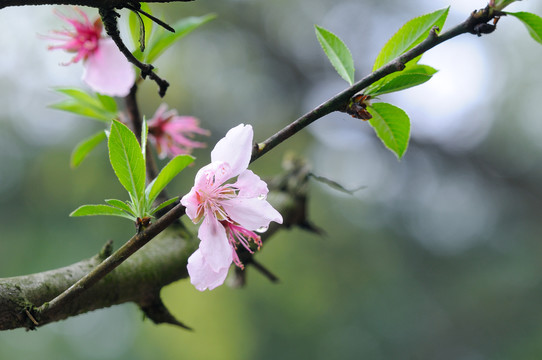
<point>437,257</point>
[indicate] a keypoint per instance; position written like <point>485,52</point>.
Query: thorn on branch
<point>109,18</point>
<point>155,310</point>
<point>106,251</point>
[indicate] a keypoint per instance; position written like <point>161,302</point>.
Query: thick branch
<point>139,279</point>
<point>90,3</point>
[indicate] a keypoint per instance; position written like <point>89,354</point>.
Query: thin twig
<point>56,305</point>
<point>109,18</point>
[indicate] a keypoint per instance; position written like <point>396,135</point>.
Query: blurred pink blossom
<point>106,70</point>
<point>172,134</point>
<point>230,213</point>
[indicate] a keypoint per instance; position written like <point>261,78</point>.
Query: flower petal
<point>202,276</point>
<point>250,185</point>
<point>235,148</point>
<point>215,247</point>
<point>251,213</point>
<point>191,202</point>
<point>107,71</point>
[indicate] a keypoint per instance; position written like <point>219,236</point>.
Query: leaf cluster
<point>127,159</point>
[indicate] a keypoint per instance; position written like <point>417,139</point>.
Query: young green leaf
<point>392,126</point>
<point>410,35</point>
<point>81,103</point>
<point>127,160</point>
<point>532,22</point>
<point>337,52</point>
<point>412,75</point>
<point>162,39</point>
<point>92,210</point>
<point>172,168</point>
<point>163,205</point>
<point>76,108</point>
<point>108,103</point>
<point>120,205</point>
<point>141,27</point>
<point>85,147</point>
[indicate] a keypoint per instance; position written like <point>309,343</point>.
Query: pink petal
<point>235,148</point>
<point>251,213</point>
<point>214,246</point>
<point>202,276</point>
<point>213,175</point>
<point>107,71</point>
<point>191,202</point>
<point>250,185</point>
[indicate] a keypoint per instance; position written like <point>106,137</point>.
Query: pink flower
<point>106,70</point>
<point>172,134</point>
<point>229,212</point>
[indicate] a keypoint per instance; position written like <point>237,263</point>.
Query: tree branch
<point>139,279</point>
<point>66,301</point>
<point>109,18</point>
<point>340,101</point>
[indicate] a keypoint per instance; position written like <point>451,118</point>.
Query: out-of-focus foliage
<point>438,257</point>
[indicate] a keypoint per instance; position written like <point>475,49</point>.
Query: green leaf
<point>410,35</point>
<point>85,147</point>
<point>533,23</point>
<point>172,168</point>
<point>141,27</point>
<point>392,126</point>
<point>412,75</point>
<point>162,39</point>
<point>144,134</point>
<point>120,205</point>
<point>337,52</point>
<point>164,204</point>
<point>74,107</point>
<point>92,210</point>
<point>127,160</point>
<point>108,103</point>
<point>80,96</point>
<point>97,107</point>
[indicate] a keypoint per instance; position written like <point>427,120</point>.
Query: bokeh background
<point>437,257</point>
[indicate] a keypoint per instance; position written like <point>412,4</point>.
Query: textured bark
<point>140,278</point>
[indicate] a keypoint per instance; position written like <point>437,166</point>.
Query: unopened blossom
<point>106,69</point>
<point>173,134</point>
<point>230,212</point>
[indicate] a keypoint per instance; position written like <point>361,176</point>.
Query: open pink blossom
<point>172,134</point>
<point>230,213</point>
<point>106,70</point>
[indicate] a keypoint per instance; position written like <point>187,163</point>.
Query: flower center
<point>239,235</point>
